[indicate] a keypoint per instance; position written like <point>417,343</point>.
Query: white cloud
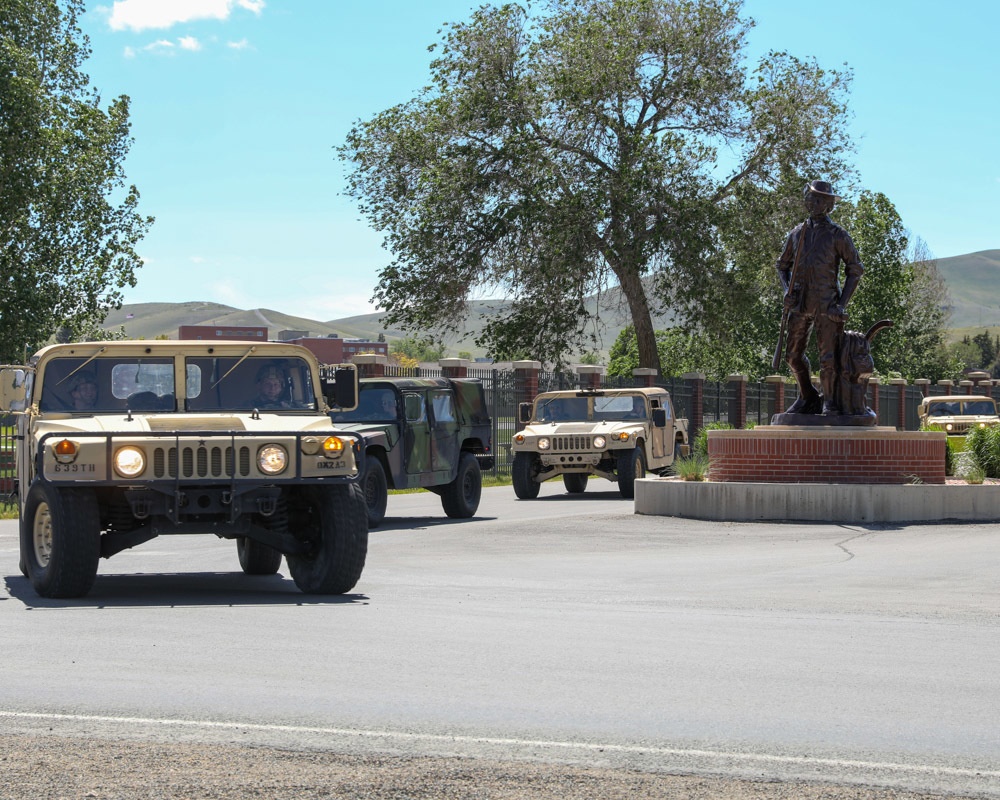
<point>160,46</point>
<point>242,44</point>
<point>140,15</point>
<point>189,43</point>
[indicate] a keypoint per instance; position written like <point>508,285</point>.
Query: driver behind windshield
<point>272,388</point>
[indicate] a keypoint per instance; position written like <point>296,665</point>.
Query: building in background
<point>334,350</point>
<point>241,333</point>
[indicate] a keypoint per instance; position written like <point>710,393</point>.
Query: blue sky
<point>237,106</point>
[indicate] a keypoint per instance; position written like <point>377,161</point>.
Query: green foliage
<point>983,444</point>
<point>68,247</point>
<point>418,349</point>
<point>691,468</point>
<point>578,147</point>
<point>699,446</point>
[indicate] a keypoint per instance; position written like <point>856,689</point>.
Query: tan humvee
<point>121,442</point>
<point>617,434</point>
<point>958,414</point>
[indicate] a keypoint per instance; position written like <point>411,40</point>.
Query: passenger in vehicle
<point>272,388</point>
<point>83,390</point>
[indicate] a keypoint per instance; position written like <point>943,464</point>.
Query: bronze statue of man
<point>815,300</point>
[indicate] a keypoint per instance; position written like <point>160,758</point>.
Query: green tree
<point>69,224</point>
<point>417,348</point>
<point>590,144</point>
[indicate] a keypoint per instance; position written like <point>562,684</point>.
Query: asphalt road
<point>565,631</point>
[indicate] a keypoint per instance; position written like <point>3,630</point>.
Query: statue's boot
<point>828,380</point>
<point>810,401</point>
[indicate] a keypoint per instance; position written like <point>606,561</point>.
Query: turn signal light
<point>65,451</point>
<point>333,447</point>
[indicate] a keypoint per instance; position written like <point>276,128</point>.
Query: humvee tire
<point>631,467</point>
<point>256,558</point>
<point>61,540</point>
<point>522,476</point>
<point>375,489</point>
<point>575,482</point>
<point>334,521</point>
<point>460,498</point>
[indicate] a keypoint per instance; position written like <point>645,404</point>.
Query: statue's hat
<point>822,187</point>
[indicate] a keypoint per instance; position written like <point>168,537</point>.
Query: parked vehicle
<point>616,434</point>
<point>121,442</point>
<point>432,433</point>
<point>956,415</point>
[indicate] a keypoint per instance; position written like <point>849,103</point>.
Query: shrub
<point>700,444</point>
<point>692,468</point>
<point>983,444</point>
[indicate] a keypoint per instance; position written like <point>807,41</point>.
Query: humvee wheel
<point>575,482</point>
<point>256,558</point>
<point>631,467</point>
<point>61,540</point>
<point>376,490</point>
<point>334,521</point>
<point>522,474</point>
<point>460,498</point>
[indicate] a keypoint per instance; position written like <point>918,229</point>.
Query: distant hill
<point>973,282</point>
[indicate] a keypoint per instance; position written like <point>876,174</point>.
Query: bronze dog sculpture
<point>855,368</point>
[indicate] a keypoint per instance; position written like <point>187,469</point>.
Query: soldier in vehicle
<point>272,388</point>
<point>83,390</point>
<point>817,300</point>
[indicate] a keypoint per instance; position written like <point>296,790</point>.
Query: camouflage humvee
<point>617,434</point>
<point>121,442</point>
<point>432,433</point>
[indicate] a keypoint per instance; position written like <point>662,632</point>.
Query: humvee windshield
<point>112,385</point>
<point>958,408</point>
<point>612,408</point>
<point>375,404</point>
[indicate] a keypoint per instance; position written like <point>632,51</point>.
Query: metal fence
<point>7,470</point>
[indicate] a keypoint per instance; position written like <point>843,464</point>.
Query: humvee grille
<point>200,462</point>
<point>571,444</point>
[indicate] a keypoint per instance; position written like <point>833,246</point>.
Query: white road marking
<point>762,758</point>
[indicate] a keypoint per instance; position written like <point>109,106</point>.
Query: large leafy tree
<point>587,145</point>
<point>68,223</point>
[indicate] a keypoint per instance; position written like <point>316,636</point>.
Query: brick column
<point>900,384</point>
<point>590,375</point>
<point>947,384</point>
<point>967,386</point>
<point>924,384</point>
<point>454,367</point>
<point>985,387</point>
<point>370,365</point>
<point>873,385</point>
<point>525,384</point>
<point>644,376</point>
<point>777,383</point>
<point>738,403</point>
<point>696,385</point>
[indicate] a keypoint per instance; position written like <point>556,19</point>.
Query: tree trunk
<point>642,320</point>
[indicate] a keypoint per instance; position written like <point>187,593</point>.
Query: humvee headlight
<point>65,451</point>
<point>272,459</point>
<point>333,447</point>
<point>129,462</point>
<point>544,443</point>
<point>948,426</point>
<point>982,424</point>
<point>599,442</point>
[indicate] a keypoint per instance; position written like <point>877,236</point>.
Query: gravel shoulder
<point>59,767</point>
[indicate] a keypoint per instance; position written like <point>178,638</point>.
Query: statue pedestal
<point>826,454</point>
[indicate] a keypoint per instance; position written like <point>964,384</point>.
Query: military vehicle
<point>617,434</point>
<point>958,414</point>
<point>121,442</point>
<point>432,433</point>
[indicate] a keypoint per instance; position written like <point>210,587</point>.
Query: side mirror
<point>524,412</point>
<point>13,388</point>
<point>660,417</point>
<point>340,388</point>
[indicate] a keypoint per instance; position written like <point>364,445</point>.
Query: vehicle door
<point>417,438</point>
<point>661,440</point>
<point>444,431</point>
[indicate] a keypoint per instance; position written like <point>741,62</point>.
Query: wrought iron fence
<point>7,468</point>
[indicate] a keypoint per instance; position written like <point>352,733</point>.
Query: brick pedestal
<point>778,454</point>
